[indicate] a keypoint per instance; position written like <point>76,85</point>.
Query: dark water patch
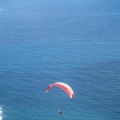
<point>98,87</point>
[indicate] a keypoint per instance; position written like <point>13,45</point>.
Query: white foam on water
<point>1,113</point>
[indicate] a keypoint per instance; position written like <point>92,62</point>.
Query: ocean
<point>76,42</point>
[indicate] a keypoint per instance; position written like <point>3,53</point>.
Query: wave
<point>1,113</point>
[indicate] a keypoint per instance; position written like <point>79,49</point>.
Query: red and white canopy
<point>63,86</point>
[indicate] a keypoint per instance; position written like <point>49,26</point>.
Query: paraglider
<point>60,112</point>
<point>65,87</point>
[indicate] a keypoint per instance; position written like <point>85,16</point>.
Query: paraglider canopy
<point>63,86</point>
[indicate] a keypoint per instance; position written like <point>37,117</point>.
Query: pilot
<point>60,112</point>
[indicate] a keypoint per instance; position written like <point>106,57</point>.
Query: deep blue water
<point>76,42</point>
